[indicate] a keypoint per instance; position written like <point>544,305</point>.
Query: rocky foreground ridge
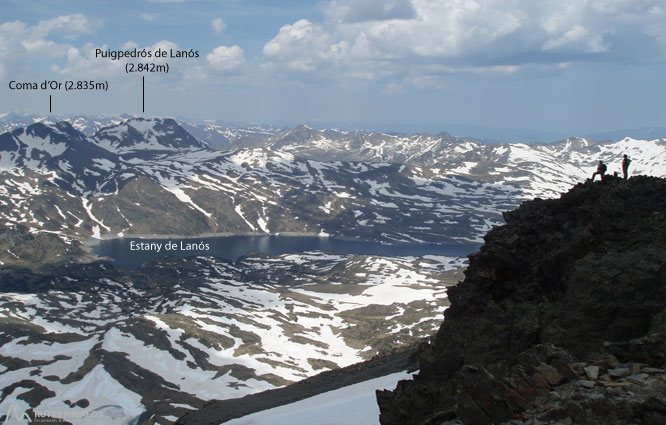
<point>560,319</point>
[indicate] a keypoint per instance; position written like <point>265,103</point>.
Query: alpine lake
<point>132,252</point>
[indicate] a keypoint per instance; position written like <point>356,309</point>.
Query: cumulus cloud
<point>22,46</point>
<point>49,39</point>
<point>82,61</point>
<point>164,45</point>
<point>218,26</point>
<point>224,58</point>
<point>372,36</point>
<point>20,40</point>
<point>304,46</point>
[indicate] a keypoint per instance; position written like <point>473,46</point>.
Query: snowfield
<point>209,329</point>
<point>352,405</point>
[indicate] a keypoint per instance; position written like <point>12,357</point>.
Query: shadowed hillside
<point>560,318</point>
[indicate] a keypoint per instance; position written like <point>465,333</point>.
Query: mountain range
<point>150,176</point>
<point>175,333</point>
<point>221,134</point>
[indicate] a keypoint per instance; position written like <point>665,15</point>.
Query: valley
<point>175,333</point>
<point>164,335</point>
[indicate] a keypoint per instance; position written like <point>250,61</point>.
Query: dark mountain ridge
<point>567,284</point>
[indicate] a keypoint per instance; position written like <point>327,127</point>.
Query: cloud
<point>21,44</point>
<point>129,45</point>
<point>351,11</point>
<point>164,45</point>
<point>21,40</point>
<point>657,23</point>
<point>165,1</point>
<point>218,26</point>
<point>577,36</point>
<point>150,17</point>
<point>50,45</point>
<point>303,46</point>
<point>393,89</point>
<point>374,37</point>
<point>224,58</point>
<point>82,60</point>
<point>69,26</point>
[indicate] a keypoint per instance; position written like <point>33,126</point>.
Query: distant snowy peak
<point>45,140</point>
<point>331,144</point>
<point>39,145</point>
<point>575,143</point>
<point>146,134</point>
<point>220,135</point>
<point>90,126</point>
<point>85,124</point>
<point>83,164</point>
<point>661,142</point>
<point>300,134</point>
<point>50,130</point>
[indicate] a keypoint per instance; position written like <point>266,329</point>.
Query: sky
<point>546,69</point>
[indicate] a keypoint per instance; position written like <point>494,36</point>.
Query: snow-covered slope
<point>87,125</point>
<point>352,405</point>
<point>167,337</point>
<point>146,135</point>
<point>540,170</point>
<point>151,177</point>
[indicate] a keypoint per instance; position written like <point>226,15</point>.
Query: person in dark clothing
<point>625,166</point>
<point>601,170</point>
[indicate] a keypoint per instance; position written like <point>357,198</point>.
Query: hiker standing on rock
<point>625,166</point>
<point>601,170</point>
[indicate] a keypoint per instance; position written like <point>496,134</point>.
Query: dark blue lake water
<point>132,252</point>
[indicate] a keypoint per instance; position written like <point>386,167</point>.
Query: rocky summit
<point>560,318</point>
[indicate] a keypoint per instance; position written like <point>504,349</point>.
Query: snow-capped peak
<point>146,134</point>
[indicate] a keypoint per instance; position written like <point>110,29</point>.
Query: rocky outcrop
<point>560,317</point>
